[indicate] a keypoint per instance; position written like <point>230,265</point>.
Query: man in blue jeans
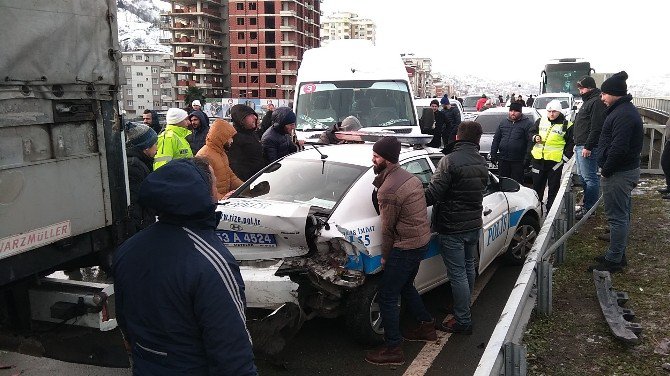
<point>405,237</point>
<point>620,145</point>
<point>587,128</point>
<point>456,192</point>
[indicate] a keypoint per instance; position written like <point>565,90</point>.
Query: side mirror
<point>509,185</point>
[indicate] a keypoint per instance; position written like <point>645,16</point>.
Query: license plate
<point>234,238</point>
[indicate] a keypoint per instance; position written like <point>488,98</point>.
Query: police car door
<point>495,216</point>
<point>432,270</point>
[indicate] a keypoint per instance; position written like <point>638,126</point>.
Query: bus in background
<point>561,75</point>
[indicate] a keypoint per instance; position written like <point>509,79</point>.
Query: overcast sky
<point>514,39</point>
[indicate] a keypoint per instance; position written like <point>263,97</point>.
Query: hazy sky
<point>514,39</point>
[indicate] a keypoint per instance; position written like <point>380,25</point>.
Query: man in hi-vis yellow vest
<point>553,147</point>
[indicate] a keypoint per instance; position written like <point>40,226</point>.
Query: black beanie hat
<point>388,148</point>
<point>587,82</point>
<point>516,106</point>
<point>616,85</point>
<point>239,111</point>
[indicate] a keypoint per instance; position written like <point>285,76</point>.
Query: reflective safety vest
<point>553,141</point>
<point>172,144</point>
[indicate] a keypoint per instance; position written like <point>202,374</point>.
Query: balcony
<point>166,85</point>
<point>288,42</point>
<point>288,57</point>
<point>289,71</point>
<point>288,13</point>
<point>287,27</point>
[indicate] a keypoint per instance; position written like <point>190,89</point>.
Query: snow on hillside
<point>139,24</point>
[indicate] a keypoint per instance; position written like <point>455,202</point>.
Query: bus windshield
<point>562,77</point>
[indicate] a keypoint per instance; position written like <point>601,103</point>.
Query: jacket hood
<point>219,134</point>
<point>282,116</point>
<point>238,112</point>
<point>203,121</point>
<point>180,193</point>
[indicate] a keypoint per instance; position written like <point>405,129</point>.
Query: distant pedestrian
<point>553,147</point>
<point>440,125</point>
<point>172,142</point>
<point>588,125</point>
<point>520,100</point>
<point>665,163</point>
<point>199,128</point>
<point>501,101</point>
<point>453,117</point>
<point>150,118</point>
<point>278,139</point>
<point>620,145</point>
<point>197,106</point>
<point>267,120</point>
<point>530,101</point>
<point>349,124</point>
<point>246,152</point>
<point>456,192</point>
<point>140,151</point>
<point>512,142</point>
<point>405,235</point>
<point>216,148</point>
<point>178,291</point>
<point>481,102</point>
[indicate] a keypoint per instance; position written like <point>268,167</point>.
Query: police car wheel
<point>363,315</point>
<point>522,240</point>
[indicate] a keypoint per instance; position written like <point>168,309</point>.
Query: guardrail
<point>505,354</point>
<point>656,135</point>
<point>657,104</point>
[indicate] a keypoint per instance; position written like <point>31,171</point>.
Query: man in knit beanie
<point>619,147</point>
<point>278,139</point>
<point>140,151</point>
<point>172,143</point>
<point>405,236</point>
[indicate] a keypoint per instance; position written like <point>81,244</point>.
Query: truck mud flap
<point>271,333</point>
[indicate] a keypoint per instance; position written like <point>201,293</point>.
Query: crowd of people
<point>176,277</point>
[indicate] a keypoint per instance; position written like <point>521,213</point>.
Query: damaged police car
<point>306,232</point>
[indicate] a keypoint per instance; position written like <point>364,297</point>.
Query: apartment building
<point>347,25</point>
<point>420,75</point>
<point>145,77</point>
<point>267,41</point>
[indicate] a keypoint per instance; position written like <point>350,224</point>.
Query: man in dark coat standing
<point>178,291</point>
<point>588,125</point>
<point>512,142</point>
<point>453,119</point>
<point>267,120</point>
<point>277,140</point>
<point>140,151</point>
<point>456,192</point>
<point>620,145</point>
<point>246,152</point>
<point>199,129</point>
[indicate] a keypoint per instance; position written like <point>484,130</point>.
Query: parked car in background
<point>490,120</point>
<point>306,232</point>
<point>568,105</point>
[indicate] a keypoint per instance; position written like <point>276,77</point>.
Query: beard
<point>379,168</point>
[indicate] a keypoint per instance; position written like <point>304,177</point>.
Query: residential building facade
<point>145,73</point>
<point>347,25</point>
<point>419,70</point>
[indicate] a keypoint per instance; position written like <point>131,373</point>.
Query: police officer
<point>553,147</point>
<point>172,143</point>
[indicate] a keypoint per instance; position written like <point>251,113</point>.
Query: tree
<point>193,93</point>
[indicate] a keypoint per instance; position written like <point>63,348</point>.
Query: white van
<point>353,78</point>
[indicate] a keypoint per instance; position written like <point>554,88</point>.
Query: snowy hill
<point>138,24</point>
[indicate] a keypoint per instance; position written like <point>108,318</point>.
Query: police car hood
<point>256,229</point>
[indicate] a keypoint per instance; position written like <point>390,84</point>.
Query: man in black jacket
<point>453,117</point>
<point>199,129</point>
<point>246,152</point>
<point>140,151</point>
<point>512,142</point>
<point>587,128</point>
<point>620,145</point>
<point>456,192</point>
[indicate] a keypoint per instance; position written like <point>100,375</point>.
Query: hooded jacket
<point>589,120</point>
<point>620,142</point>
<point>246,152</point>
<point>198,135</point>
<point>457,189</point>
<point>155,124</point>
<point>139,167</point>
<point>513,140</point>
<point>179,294</point>
<point>215,151</point>
<point>276,142</point>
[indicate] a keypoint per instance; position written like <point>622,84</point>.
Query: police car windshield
<point>314,182</point>
<point>374,103</point>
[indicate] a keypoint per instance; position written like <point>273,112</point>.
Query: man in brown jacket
<point>405,237</point>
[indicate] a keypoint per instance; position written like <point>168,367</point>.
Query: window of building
<point>270,93</point>
<point>139,74</point>
<point>254,65</point>
<point>240,21</point>
<point>243,79</point>
<point>129,92</point>
<point>157,104</point>
<point>154,81</point>
<point>140,107</point>
<point>253,35</point>
<point>254,93</point>
<point>253,50</point>
<point>154,69</point>
<point>129,81</point>
<point>252,21</point>
<point>138,57</point>
<point>129,103</point>
<point>269,7</point>
<point>140,96</point>
<point>241,64</point>
<point>155,92</point>
<point>254,79</point>
<point>252,6</point>
<point>140,85</point>
<point>241,50</point>
<point>240,6</point>
<point>243,93</point>
<point>271,79</point>
<point>127,69</point>
<point>270,64</point>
